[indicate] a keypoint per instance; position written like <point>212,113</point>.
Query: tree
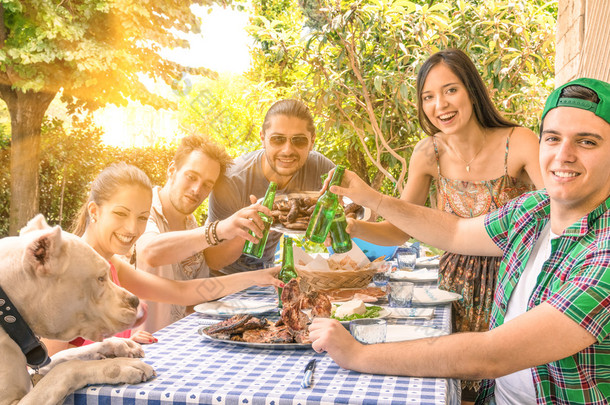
<point>91,52</point>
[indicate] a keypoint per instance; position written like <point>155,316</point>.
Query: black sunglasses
<point>297,141</point>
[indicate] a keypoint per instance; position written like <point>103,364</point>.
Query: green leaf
<point>378,81</point>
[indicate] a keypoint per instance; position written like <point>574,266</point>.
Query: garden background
<point>353,63</point>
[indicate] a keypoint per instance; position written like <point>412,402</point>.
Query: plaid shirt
<point>575,280</point>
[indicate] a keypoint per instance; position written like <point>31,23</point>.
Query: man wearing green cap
<point>549,338</point>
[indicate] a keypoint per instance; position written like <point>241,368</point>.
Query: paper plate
<point>234,307</point>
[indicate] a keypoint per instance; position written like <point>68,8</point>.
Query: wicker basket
<point>325,279</point>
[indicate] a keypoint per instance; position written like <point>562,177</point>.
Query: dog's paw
<point>119,347</point>
<point>125,370</point>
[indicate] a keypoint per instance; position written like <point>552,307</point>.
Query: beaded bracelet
<point>206,230</point>
<point>213,230</point>
<point>214,234</point>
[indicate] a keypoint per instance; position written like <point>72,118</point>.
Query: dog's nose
<point>133,301</point>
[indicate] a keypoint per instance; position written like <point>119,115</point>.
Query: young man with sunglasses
<point>549,337</point>
<point>287,158</point>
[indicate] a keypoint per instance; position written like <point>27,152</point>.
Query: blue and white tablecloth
<point>193,370</point>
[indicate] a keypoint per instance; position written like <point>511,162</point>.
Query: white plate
<point>415,275</point>
<point>234,307</point>
<point>423,313</point>
<point>433,296</point>
<point>382,314</point>
<point>399,333</point>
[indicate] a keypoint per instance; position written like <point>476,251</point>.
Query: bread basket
<point>325,279</point>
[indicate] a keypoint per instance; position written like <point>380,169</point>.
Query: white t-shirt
<point>518,388</point>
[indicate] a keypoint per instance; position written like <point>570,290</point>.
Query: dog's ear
<point>42,252</point>
<point>35,224</point>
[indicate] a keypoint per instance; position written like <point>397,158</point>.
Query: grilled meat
<point>291,327</point>
<point>271,334</point>
<point>228,325</point>
<point>291,292</point>
<point>294,318</point>
<point>322,306</point>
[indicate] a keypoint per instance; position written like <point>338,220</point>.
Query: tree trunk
<point>27,112</point>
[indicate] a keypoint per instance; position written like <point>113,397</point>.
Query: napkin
<point>425,313</point>
<point>433,296</point>
<point>415,275</point>
<point>354,259</point>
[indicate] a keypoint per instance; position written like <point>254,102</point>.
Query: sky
<point>222,46</point>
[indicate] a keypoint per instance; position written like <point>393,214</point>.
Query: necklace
<point>475,155</point>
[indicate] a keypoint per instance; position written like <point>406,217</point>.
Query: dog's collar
<point>12,322</point>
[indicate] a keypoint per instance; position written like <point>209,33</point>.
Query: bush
<point>71,157</point>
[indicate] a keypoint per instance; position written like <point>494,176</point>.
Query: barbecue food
<point>292,326</point>
<point>294,212</point>
<point>318,302</point>
<point>294,318</point>
<point>295,301</point>
<point>227,326</point>
<point>271,334</point>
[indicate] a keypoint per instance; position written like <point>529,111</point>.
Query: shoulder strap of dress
<point>506,153</point>
<point>438,164</point>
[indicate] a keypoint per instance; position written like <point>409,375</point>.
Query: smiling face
<point>190,184</point>
<point>445,100</point>
<point>287,143</point>
<point>574,150</point>
<point>120,221</point>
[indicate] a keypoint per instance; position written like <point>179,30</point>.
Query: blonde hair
<point>205,145</point>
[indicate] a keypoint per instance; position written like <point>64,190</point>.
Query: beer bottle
<point>324,212</point>
<point>287,272</point>
<point>341,241</point>
<point>256,249</point>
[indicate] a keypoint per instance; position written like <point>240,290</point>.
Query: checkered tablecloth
<point>193,370</point>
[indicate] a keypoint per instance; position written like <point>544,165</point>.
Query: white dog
<point>61,289</point>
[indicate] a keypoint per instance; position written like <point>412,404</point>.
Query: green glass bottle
<point>324,213</point>
<point>341,241</point>
<point>287,272</point>
<point>256,249</point>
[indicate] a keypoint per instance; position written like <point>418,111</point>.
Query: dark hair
<point>576,91</point>
<point>105,185</point>
<point>290,108</point>
<point>204,145</point>
<point>460,64</point>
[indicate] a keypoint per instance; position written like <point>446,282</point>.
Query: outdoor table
<point>193,370</point>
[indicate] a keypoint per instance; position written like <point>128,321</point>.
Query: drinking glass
<point>406,259</point>
<point>401,294</point>
<point>381,278</point>
<point>368,331</point>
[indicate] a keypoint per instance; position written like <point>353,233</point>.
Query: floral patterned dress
<point>473,277</point>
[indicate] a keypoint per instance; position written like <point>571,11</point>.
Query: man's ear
<point>171,169</point>
<point>262,135</point>
<point>35,224</point>
<point>41,254</point>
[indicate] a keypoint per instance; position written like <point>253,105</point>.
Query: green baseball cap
<point>601,109</point>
